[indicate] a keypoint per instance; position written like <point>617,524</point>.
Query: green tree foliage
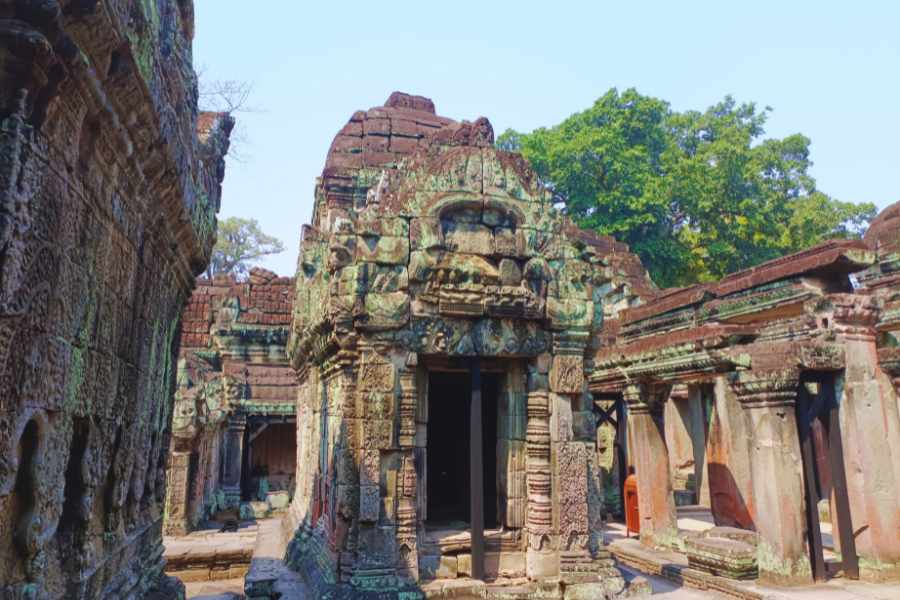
<point>239,243</point>
<point>696,195</point>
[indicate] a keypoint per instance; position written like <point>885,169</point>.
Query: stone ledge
<point>674,568</point>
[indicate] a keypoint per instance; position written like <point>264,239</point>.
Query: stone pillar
<point>768,398</point>
<point>728,460</point>
<point>870,436</point>
<point>656,502</point>
<point>542,560</point>
<point>680,442</point>
<point>177,494</point>
<point>699,434</point>
<point>232,463</point>
<point>408,559</point>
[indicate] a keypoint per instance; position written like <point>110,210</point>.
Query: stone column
<point>656,502</point>
<point>542,559</point>
<point>699,434</point>
<point>769,397</point>
<point>870,436</point>
<point>232,463</point>
<point>177,491</point>
<point>408,559</point>
<point>680,442</point>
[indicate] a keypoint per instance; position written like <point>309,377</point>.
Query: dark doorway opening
<point>269,458</point>
<point>449,489</point>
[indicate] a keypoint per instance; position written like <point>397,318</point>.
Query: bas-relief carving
<point>572,465</point>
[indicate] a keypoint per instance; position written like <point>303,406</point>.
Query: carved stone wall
<point>109,186</point>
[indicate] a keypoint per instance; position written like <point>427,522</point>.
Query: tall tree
<point>696,195</point>
<point>239,243</point>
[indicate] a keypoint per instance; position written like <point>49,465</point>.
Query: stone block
<point>567,374</point>
<point>378,434</point>
<point>438,567</point>
<point>464,565</point>
<point>279,500</point>
<point>255,510</point>
<point>379,405</point>
<point>376,127</point>
<point>377,547</point>
<point>515,507</point>
<point>560,418</point>
<point>192,575</point>
<point>386,249</point>
<point>369,471</point>
<point>388,512</point>
<point>722,556</point>
<point>504,564</point>
<point>382,278</point>
<point>386,310</point>
<point>369,503</point>
<point>376,376</point>
<point>448,567</point>
<point>593,590</point>
<point>510,272</point>
<point>428,566</point>
<point>583,426</point>
<point>425,233</point>
<point>508,242</point>
<point>540,564</point>
<point>468,238</point>
<point>570,314</point>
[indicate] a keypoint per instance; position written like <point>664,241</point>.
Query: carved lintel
<point>645,398</point>
<point>765,388</point>
<point>822,357</point>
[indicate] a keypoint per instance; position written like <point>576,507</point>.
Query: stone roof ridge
<point>260,275</point>
<point>479,134</point>
<point>883,234</point>
<point>410,101</point>
<point>668,300</point>
<point>848,255</point>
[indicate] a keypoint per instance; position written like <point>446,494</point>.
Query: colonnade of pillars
<point>767,399</point>
<point>776,468</point>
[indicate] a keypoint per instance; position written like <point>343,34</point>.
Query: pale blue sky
<point>830,70</point>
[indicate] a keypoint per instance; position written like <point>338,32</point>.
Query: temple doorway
<point>449,486</point>
<point>269,457</point>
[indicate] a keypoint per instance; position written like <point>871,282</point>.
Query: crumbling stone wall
<point>232,365</point>
<point>428,244</point>
<point>109,185</point>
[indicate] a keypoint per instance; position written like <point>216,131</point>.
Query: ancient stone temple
<point>445,322</point>
<point>109,186</point>
<point>233,430</point>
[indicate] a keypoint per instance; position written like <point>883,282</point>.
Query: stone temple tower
<point>444,320</point>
